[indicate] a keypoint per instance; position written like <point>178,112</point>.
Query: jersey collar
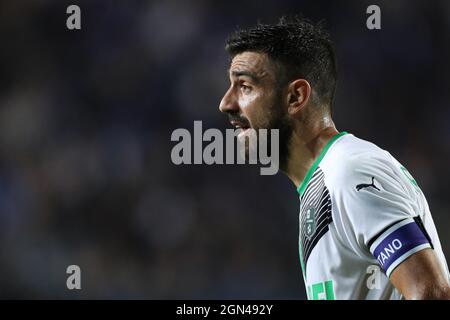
<point>311,170</point>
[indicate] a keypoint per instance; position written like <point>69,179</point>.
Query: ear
<point>299,92</point>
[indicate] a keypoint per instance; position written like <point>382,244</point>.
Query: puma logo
<point>366,185</point>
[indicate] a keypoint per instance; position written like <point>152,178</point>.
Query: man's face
<point>255,100</point>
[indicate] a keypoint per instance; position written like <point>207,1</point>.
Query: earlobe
<point>293,107</point>
<point>299,93</point>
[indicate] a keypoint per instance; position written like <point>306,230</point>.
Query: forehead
<point>255,62</point>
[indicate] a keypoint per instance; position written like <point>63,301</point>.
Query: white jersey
<point>361,215</point>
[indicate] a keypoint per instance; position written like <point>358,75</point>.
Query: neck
<point>305,147</point>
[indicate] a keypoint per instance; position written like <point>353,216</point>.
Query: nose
<point>229,103</point>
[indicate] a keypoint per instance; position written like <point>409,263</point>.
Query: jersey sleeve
<point>380,210</point>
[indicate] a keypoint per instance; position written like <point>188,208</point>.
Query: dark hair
<point>302,49</point>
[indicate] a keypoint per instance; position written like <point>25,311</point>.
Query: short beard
<point>276,118</point>
<point>283,123</point>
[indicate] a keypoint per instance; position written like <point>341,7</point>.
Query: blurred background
<point>85,123</point>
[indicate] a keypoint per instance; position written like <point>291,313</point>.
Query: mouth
<point>240,126</point>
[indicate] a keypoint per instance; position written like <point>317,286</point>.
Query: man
<point>359,207</point>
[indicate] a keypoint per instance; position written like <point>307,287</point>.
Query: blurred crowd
<point>85,123</point>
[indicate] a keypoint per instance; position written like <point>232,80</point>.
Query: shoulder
<point>368,189</point>
<point>352,157</point>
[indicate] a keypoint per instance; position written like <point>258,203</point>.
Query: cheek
<point>249,101</point>
<point>250,106</point>
<point>259,109</point>
<point>270,113</point>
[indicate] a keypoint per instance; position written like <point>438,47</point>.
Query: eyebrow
<point>249,74</point>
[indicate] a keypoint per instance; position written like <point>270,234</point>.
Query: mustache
<point>239,119</point>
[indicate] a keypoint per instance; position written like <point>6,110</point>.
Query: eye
<point>245,88</point>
